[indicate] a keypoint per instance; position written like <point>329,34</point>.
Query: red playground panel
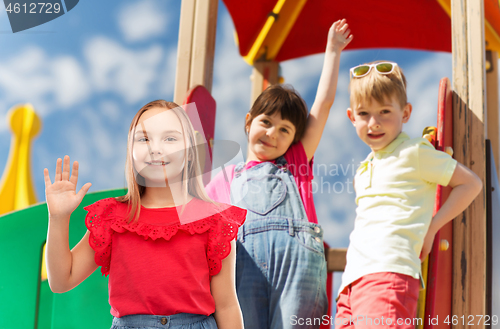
<point>439,282</point>
<point>329,291</point>
<point>202,116</point>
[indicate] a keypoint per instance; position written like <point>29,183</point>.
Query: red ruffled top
<point>163,263</point>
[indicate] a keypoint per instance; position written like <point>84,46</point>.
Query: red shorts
<point>379,300</point>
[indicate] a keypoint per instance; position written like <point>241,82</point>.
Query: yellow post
<point>16,187</point>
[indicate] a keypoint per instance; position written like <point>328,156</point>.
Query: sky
<point>89,71</point>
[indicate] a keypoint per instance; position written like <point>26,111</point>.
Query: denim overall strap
<point>267,190</point>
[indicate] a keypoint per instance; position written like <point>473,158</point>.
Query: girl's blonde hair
<point>192,174</point>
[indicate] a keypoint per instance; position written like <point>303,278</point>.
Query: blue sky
<point>89,71</point>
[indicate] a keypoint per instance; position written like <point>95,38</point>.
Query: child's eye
<point>171,139</point>
<point>284,130</point>
<point>142,139</point>
<point>385,111</point>
<point>266,122</point>
<point>362,113</point>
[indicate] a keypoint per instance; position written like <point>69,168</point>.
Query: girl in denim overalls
<point>280,262</point>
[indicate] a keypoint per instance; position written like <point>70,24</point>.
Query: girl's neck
<point>162,197</point>
<point>252,157</point>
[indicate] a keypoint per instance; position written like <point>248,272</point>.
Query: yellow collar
<point>363,166</point>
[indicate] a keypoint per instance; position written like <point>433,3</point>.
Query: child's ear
<point>247,126</point>
<point>407,112</point>
<point>350,115</point>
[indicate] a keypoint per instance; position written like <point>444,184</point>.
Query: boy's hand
<point>466,186</point>
<point>339,36</point>
<point>61,195</point>
<point>427,247</point>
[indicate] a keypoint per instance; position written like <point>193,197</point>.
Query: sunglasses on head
<point>382,68</point>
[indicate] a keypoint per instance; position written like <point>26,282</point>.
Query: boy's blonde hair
<point>192,178</point>
<point>379,87</point>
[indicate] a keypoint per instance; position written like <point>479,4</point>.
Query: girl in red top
<point>168,249</point>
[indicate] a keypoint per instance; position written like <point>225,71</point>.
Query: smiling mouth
<point>376,136</point>
<point>157,163</point>
<point>266,144</point>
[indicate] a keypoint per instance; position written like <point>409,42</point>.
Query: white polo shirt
<point>395,193</point>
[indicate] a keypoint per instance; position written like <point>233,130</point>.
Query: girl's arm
<point>466,186</point>
<point>227,309</point>
<point>338,39</point>
<point>65,268</point>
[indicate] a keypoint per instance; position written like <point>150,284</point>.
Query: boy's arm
<point>466,186</point>
<point>338,39</point>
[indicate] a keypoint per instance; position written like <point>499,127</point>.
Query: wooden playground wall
<point>469,251</point>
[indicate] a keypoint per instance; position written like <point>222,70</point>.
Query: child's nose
<point>155,149</point>
<point>374,122</point>
<point>271,132</point>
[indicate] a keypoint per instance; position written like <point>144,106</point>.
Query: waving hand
<point>62,198</point>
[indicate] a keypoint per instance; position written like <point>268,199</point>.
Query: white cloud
<point>142,20</point>
<point>101,138</point>
<point>423,88</point>
<point>25,75</point>
<point>110,109</point>
<point>3,18</point>
<point>101,151</point>
<point>124,71</point>
<point>167,78</point>
<point>303,73</point>
<point>232,86</point>
<point>47,82</point>
<point>71,84</point>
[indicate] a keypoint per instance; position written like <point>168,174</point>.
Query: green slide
<point>25,300</point>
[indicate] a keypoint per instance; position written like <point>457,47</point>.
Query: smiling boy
<point>395,189</point>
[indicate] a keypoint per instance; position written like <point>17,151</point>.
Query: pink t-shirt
<point>302,170</point>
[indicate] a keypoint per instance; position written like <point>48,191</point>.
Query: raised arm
<point>466,186</point>
<point>227,308</point>
<point>338,38</point>
<point>65,268</point>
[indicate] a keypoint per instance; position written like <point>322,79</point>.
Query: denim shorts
<point>176,321</point>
